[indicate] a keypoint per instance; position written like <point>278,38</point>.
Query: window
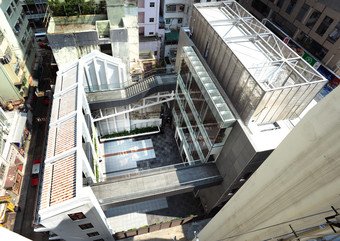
<point>261,7</point>
<point>151,33</point>
<point>76,216</point>
<point>302,13</point>
<point>334,35</point>
<point>151,20</point>
<point>291,6</point>
<point>9,11</point>
<point>101,239</point>
<point>181,8</point>
<point>171,8</point>
<point>92,234</point>
<point>312,46</point>
<point>168,20</point>
<point>152,4</point>
<point>286,26</point>
<point>280,3</point>
<point>2,170</point>
<point>85,226</point>
<point>23,40</point>
<point>180,20</point>
<point>313,19</point>
<point>326,22</point>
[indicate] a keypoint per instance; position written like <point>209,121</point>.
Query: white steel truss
<point>146,102</point>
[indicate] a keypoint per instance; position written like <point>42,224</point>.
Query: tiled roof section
<point>59,178</point>
<point>66,80</point>
<point>66,136</point>
<point>63,180</point>
<point>46,187</point>
<point>59,181</point>
<point>61,137</point>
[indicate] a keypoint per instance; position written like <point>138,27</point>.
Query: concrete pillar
<point>296,185</point>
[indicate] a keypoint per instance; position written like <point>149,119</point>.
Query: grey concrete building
<point>265,85</point>
<point>294,194</point>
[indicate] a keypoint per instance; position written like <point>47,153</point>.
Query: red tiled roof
<point>59,178</point>
<point>59,183</point>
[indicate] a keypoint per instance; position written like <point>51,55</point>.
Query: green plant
<point>76,7</point>
<point>97,172</point>
<point>132,132</point>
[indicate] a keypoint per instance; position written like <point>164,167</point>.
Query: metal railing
<point>152,171</point>
<point>120,86</point>
<point>157,191</point>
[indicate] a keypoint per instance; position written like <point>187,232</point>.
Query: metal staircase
<point>141,86</point>
<point>130,94</point>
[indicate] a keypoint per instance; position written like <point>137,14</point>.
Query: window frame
<point>93,234</point>
<point>85,226</point>
<point>11,11</point>
<point>169,8</point>
<point>72,215</point>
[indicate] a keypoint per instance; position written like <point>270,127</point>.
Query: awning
<point>172,36</point>
<point>19,130</point>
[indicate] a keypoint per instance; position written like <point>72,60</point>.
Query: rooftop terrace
<point>270,61</point>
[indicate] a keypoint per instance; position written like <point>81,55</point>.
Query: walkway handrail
<point>127,84</point>
<point>152,171</point>
<point>143,194</point>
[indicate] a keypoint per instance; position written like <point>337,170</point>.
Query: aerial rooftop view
<point>169,120</point>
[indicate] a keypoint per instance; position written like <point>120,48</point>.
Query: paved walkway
<point>155,183</point>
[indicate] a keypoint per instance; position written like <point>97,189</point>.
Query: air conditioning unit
<point>6,59</point>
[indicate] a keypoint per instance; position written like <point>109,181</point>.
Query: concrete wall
<point>296,185</point>
<point>238,159</point>
<point>56,219</point>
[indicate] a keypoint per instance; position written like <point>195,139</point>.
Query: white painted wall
<point>150,28</point>
<point>56,219</point>
<point>151,46</point>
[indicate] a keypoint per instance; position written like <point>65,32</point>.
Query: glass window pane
<point>291,6</point>
<point>314,17</point>
<point>326,22</point>
<point>302,12</point>
<point>334,35</point>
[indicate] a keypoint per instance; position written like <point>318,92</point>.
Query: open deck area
<point>140,153</point>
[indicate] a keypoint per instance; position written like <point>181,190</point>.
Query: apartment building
<point>312,24</point>
<point>12,163</point>
<point>175,14</point>
<point>265,84</point>
<point>17,52</point>
<point>150,35</point>
<point>128,30</point>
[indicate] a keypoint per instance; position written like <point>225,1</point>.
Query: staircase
<point>130,94</point>
<point>140,87</point>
